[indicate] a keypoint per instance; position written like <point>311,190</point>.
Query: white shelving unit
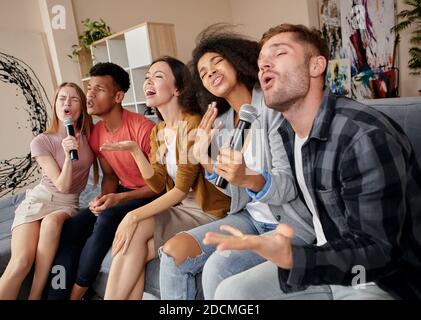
<point>134,50</point>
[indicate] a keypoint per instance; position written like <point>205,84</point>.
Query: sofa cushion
<point>7,214</point>
<point>407,113</point>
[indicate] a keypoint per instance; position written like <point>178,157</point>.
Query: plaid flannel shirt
<point>365,181</point>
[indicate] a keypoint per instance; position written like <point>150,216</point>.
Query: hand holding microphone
<point>247,116</point>
<point>70,145</point>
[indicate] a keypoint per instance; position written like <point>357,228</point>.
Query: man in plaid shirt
<point>357,173</point>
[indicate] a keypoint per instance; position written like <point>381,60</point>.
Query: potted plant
<point>411,17</point>
<point>94,31</point>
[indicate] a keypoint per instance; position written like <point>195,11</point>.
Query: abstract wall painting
<point>330,25</point>
<point>369,44</point>
<point>338,77</point>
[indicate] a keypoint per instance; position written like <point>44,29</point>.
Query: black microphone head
<point>68,121</point>
<point>68,124</point>
<point>247,113</point>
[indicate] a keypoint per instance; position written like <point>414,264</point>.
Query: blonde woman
<point>40,217</point>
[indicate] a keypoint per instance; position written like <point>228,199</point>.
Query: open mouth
<point>218,79</point>
<point>149,93</point>
<point>267,81</point>
<point>89,103</point>
<point>67,112</point>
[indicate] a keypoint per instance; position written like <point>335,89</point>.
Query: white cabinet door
<point>117,52</point>
<point>138,50</point>
<point>100,53</point>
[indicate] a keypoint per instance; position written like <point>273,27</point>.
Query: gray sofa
<point>405,111</point>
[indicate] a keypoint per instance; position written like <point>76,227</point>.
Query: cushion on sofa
<point>7,213</point>
<point>407,113</point>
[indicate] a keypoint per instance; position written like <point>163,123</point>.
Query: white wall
<point>188,16</point>
<point>20,15</point>
<point>257,16</point>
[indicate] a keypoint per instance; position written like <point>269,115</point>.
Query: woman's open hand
<point>205,133</point>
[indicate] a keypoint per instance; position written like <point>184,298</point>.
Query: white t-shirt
<point>258,210</point>
<point>321,239</point>
<point>171,158</point>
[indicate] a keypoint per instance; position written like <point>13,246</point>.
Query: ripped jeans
<point>179,282</point>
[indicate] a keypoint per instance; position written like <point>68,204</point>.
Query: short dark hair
<point>312,37</point>
<point>239,51</point>
<point>184,84</point>
<point>119,75</point>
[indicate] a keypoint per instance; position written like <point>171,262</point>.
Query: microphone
<point>68,123</point>
<point>247,115</point>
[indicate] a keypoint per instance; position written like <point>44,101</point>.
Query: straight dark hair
<point>184,84</point>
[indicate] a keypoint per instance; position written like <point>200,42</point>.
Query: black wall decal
<point>21,171</point>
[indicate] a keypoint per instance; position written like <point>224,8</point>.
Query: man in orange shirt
<point>87,237</point>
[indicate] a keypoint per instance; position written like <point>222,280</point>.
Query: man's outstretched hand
<point>275,247</point>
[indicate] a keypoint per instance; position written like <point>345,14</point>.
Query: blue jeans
<point>262,283</point>
<point>84,242</point>
<point>178,282</point>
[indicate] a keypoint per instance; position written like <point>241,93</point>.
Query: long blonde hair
<point>84,123</point>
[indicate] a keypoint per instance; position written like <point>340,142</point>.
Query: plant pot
<point>85,61</point>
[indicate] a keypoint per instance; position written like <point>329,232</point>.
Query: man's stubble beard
<point>295,88</point>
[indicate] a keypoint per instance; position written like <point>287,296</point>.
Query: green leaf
<point>93,31</point>
<point>411,16</point>
<point>402,26</point>
<point>415,39</point>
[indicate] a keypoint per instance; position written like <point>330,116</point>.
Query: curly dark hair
<point>184,84</point>
<point>239,51</point>
<point>120,76</point>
